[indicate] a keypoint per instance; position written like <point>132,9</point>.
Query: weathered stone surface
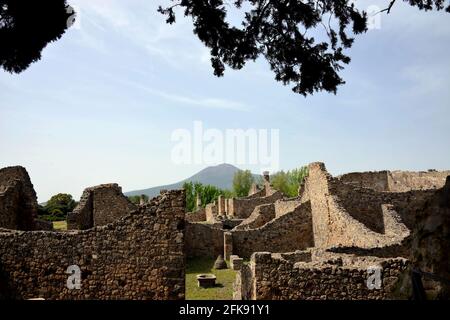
<point>220,263</point>
<point>99,206</point>
<point>18,202</point>
<point>139,256</point>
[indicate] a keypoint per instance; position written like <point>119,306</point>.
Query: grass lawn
<point>60,225</point>
<point>224,283</point>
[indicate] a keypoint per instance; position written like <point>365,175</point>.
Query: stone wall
<point>396,181</point>
<point>203,240</point>
<point>139,256</point>
<point>197,216</point>
<point>289,232</point>
<point>18,201</point>
<point>242,208</point>
<point>303,277</point>
<point>99,206</point>
<point>345,215</point>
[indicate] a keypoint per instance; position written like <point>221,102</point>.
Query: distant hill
<point>220,176</point>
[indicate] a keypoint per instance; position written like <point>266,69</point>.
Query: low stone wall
<point>203,240</point>
<point>396,181</point>
<point>139,256</point>
<point>289,232</point>
<point>99,206</point>
<point>259,217</point>
<point>197,216</point>
<point>271,277</point>
<point>243,208</point>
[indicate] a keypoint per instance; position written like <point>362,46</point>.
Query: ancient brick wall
<point>402,181</point>
<point>396,181</point>
<point>259,217</point>
<point>18,201</point>
<point>374,180</point>
<point>289,232</point>
<point>243,208</point>
<point>273,277</point>
<point>99,206</point>
<point>139,256</point>
<point>197,216</point>
<point>203,240</point>
<point>345,215</point>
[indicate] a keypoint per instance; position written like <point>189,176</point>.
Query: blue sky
<point>102,103</point>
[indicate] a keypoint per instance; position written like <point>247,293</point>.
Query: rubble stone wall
<point>139,256</point>
<point>18,201</point>
<point>99,206</point>
<point>289,232</point>
<point>273,277</point>
<point>203,240</point>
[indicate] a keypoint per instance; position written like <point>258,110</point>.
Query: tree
<point>242,182</point>
<point>57,207</point>
<point>26,27</point>
<point>282,31</point>
<point>289,182</point>
<point>207,194</point>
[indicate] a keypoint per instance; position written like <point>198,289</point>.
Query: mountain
<point>220,176</point>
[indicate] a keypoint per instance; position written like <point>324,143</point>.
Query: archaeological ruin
<point>373,235</point>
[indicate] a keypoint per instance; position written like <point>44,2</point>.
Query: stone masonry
<point>99,206</point>
<point>138,256</point>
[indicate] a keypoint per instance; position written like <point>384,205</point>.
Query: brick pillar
<point>221,201</point>
<point>227,245</point>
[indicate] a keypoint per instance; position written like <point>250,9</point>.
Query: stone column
<point>221,201</point>
<point>227,245</point>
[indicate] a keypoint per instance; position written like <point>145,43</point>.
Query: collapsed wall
<point>99,206</point>
<point>308,276</point>
<point>18,201</point>
<point>139,256</point>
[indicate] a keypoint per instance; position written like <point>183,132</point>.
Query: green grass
<point>60,225</point>
<point>224,283</point>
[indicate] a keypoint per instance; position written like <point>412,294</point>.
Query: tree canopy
<point>303,41</point>
<point>206,194</point>
<point>57,207</point>
<point>26,27</point>
<point>289,182</point>
<point>242,182</point>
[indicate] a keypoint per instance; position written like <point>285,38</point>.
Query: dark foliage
<point>26,27</point>
<point>284,32</point>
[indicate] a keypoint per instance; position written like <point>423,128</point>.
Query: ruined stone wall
<point>396,181</point>
<point>203,240</point>
<point>345,215</point>
<point>99,206</point>
<point>259,217</point>
<point>197,216</point>
<point>289,232</point>
<point>211,212</point>
<point>139,256</point>
<point>402,181</point>
<point>374,180</point>
<point>273,277</point>
<point>243,208</point>
<point>18,201</point>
